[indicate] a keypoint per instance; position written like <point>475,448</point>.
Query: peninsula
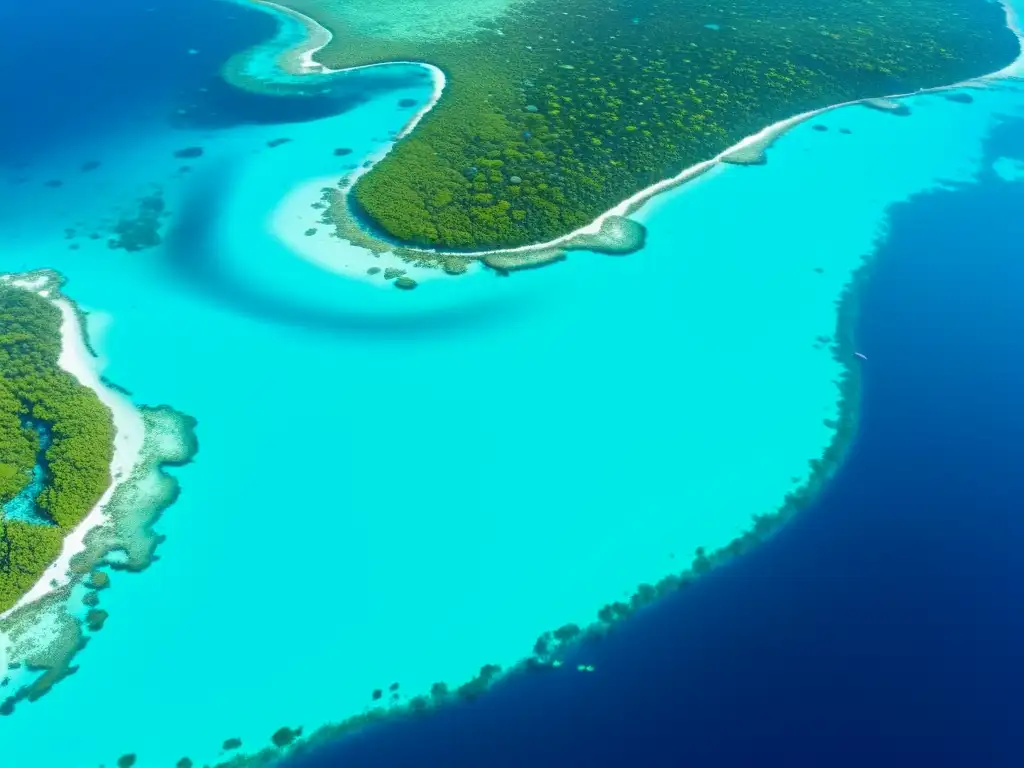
<point>553,113</point>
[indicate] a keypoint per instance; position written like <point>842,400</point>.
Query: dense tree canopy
<point>560,110</point>
<point>36,393</point>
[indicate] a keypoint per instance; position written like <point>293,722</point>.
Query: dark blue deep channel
<point>885,626</point>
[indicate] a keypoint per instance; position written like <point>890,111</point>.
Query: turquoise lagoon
<point>401,487</point>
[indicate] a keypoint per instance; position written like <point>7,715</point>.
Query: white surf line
<point>76,359</point>
<point>629,205</point>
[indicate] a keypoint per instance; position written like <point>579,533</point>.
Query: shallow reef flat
<point>555,112</point>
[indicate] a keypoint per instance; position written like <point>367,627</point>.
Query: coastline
<point>754,145</point>
<point>77,360</point>
<point>293,218</point>
<point>299,60</point>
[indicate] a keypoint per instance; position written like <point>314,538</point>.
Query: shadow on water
<point>216,104</point>
<point>192,258</point>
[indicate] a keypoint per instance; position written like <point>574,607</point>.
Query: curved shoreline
<point>77,359</point>
<point>319,37</point>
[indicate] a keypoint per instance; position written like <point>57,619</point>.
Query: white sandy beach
<point>295,215</point>
<point>305,64</point>
<point>76,359</point>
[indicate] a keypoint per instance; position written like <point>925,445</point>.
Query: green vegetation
<point>554,112</point>
<point>36,393</point>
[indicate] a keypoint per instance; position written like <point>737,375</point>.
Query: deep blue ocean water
<point>882,626</point>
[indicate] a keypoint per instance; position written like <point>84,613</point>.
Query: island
<point>56,442</point>
<point>554,113</point>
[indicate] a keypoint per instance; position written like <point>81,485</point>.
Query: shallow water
<point>22,506</point>
<point>879,626</point>
<point>403,486</point>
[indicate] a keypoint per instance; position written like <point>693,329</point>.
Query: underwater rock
<point>515,260</point>
<point>342,151</point>
<point>887,105</point>
<point>819,127</point>
<point>405,283</point>
<point>91,165</point>
<point>959,98</point>
<point>749,155</point>
<point>310,232</point>
<point>185,762</point>
<point>439,690</point>
<point>845,131</point>
<point>95,619</point>
<point>230,744</point>
<point>406,103</point>
<point>54,183</point>
<point>98,580</point>
<point>455,265</point>
<point>618,236</point>
<point>126,761</point>
<point>373,270</point>
<point>142,231</point>
<point>189,152</point>
<point>284,736</point>
<point>277,142</point>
